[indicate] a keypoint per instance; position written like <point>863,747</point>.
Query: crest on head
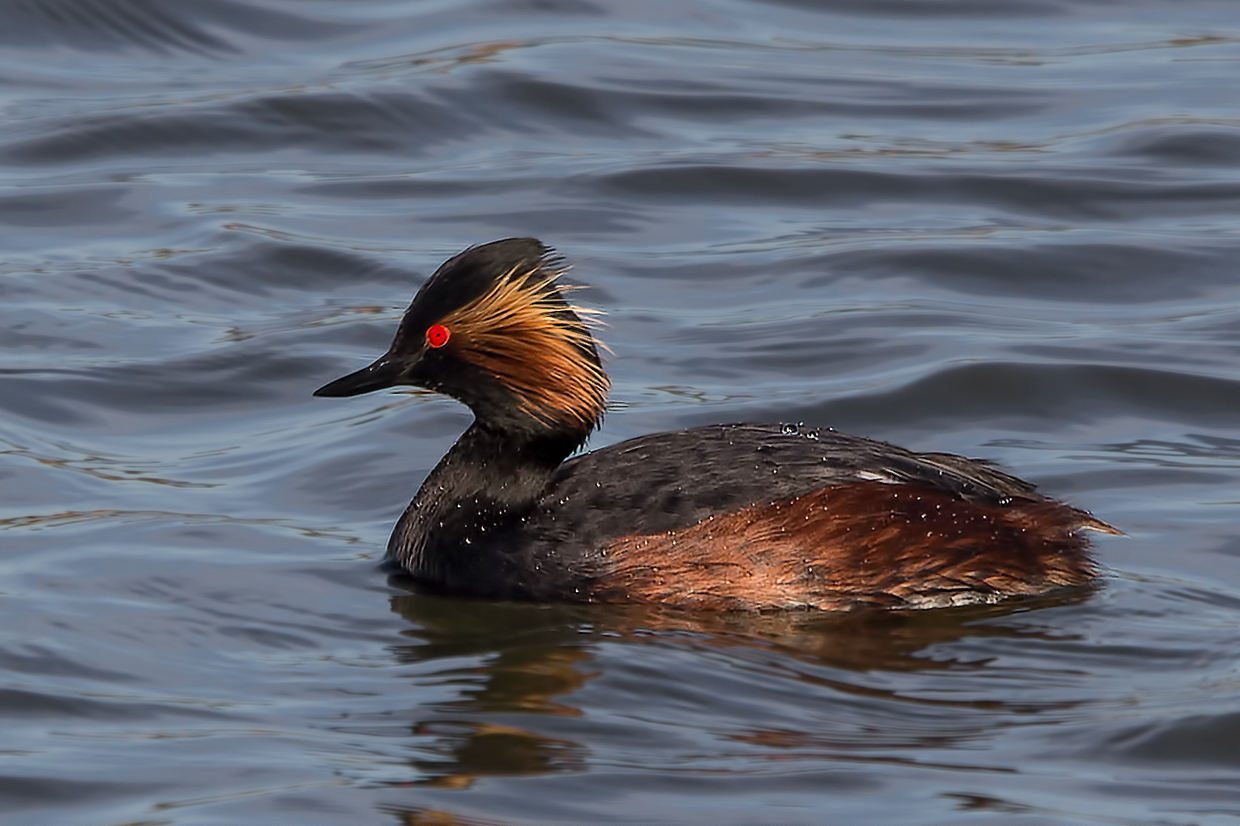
<point>499,309</point>
<point>492,329</point>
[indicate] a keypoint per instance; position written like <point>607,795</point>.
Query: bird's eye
<point>437,335</point>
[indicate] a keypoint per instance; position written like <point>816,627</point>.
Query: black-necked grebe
<point>744,516</point>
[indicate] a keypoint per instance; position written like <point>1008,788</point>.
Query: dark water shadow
<point>856,640</point>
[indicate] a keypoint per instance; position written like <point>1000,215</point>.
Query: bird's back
<point>668,481</point>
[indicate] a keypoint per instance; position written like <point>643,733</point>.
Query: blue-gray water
<point>1006,229</point>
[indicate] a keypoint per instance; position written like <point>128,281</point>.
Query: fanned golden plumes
<point>522,332</point>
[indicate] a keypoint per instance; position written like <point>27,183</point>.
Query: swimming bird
<point>725,517</point>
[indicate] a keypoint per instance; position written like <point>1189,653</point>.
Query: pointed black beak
<point>386,372</point>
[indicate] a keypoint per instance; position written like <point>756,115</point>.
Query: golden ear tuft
<point>523,332</point>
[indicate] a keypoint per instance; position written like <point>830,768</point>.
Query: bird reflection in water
<point>518,662</point>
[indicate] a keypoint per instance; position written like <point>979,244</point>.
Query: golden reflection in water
<point>438,817</point>
<point>467,751</point>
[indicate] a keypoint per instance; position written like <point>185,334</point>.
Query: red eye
<point>437,335</point>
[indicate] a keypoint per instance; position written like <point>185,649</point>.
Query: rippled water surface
<point>1006,229</point>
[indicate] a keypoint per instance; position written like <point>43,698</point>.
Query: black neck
<point>487,477</point>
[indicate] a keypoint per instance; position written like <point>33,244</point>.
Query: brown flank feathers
<point>858,544</point>
<point>523,332</point>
